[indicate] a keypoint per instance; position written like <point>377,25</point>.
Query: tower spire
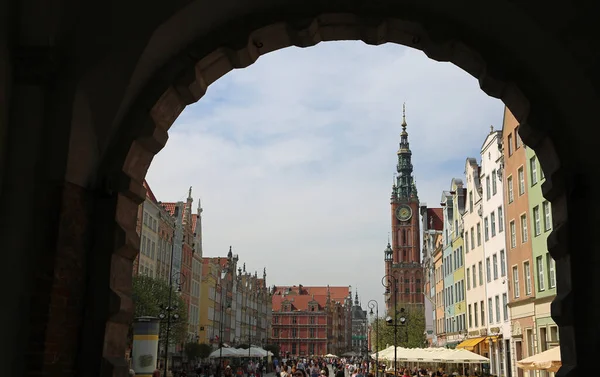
<point>406,189</point>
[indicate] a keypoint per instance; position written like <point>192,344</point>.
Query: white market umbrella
<point>548,360</point>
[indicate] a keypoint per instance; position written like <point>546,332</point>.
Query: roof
<point>194,220</point>
<point>169,206</point>
<point>149,193</point>
<point>437,215</point>
<point>299,303</point>
<point>337,293</point>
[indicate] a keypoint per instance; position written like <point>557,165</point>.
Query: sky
<point>293,157</point>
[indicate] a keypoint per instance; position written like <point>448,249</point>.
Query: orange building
<point>518,242</point>
<point>310,321</point>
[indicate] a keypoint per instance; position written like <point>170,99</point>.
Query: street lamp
<point>166,310</point>
<point>391,283</point>
<point>374,305</point>
<point>224,273</point>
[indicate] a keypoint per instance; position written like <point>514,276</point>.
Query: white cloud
<point>293,156</point>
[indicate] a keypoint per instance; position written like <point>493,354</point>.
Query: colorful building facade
<point>303,320</point>
<point>545,269</point>
<point>474,262</point>
<point>519,253</point>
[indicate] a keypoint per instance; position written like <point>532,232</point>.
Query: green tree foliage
<point>195,350</point>
<point>204,350</point>
<point>410,335</point>
<point>273,348</point>
<point>148,294</point>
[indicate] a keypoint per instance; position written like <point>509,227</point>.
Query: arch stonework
<point>104,117</point>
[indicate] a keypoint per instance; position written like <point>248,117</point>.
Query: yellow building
<point>208,289</point>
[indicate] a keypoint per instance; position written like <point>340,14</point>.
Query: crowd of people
<point>303,367</point>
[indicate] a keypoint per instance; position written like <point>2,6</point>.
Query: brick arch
<point>185,80</point>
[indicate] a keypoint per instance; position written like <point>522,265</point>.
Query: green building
<point>544,266</point>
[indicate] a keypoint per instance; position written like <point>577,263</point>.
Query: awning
<point>469,344</point>
<point>493,338</point>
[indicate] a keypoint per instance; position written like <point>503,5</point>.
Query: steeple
<point>356,298</point>
<point>404,187</point>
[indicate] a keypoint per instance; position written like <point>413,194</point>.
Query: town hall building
<point>403,255</point>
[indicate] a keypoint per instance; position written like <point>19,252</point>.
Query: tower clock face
<point>403,213</point>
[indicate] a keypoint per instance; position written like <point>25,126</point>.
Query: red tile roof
<point>194,220</point>
<point>299,302</point>
<point>302,295</point>
<point>149,193</point>
<point>170,207</point>
<point>437,215</point>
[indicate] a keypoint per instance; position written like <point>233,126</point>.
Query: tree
<point>409,335</point>
<point>148,294</point>
<point>204,350</point>
<point>193,350</point>
<point>273,348</point>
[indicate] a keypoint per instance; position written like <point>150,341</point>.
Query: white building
<point>474,261</point>
<point>498,315</point>
<point>197,264</point>
<point>149,239</point>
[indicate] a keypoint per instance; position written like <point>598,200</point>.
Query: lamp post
<point>166,310</point>
<point>374,305</point>
<point>224,273</point>
<point>389,282</point>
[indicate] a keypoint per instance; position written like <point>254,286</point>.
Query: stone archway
<point>502,45</point>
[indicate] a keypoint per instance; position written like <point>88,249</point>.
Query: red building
<point>311,320</point>
<point>403,255</point>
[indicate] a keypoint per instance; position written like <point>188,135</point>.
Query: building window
<point>521,175</point>
<point>510,144</point>
<point>486,229</point>
<point>470,315</point>
<point>478,234</point>
<point>551,271</point>
<point>540,273</point>
<point>476,312</point>
<point>488,188</point>
<point>500,220</point>
<point>490,311</point>
<point>547,216</point>
<point>524,234</point>
<point>482,313</point>
<point>472,238</point>
<point>505,306</point>
<point>468,279</point>
<point>536,221</point>
<point>488,268</point>
<point>513,235</point>
<point>493,223</point>
<point>471,201</point>
<point>494,184</point>
<point>511,194</point>
<point>518,141</point>
<point>466,241</point>
<point>527,272</point>
<point>497,299</point>
<point>495,265</point>
<point>516,288</point>
<point>502,263</point>
<point>480,273</point>
<point>533,170</point>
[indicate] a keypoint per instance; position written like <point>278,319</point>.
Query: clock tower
<point>403,255</point>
